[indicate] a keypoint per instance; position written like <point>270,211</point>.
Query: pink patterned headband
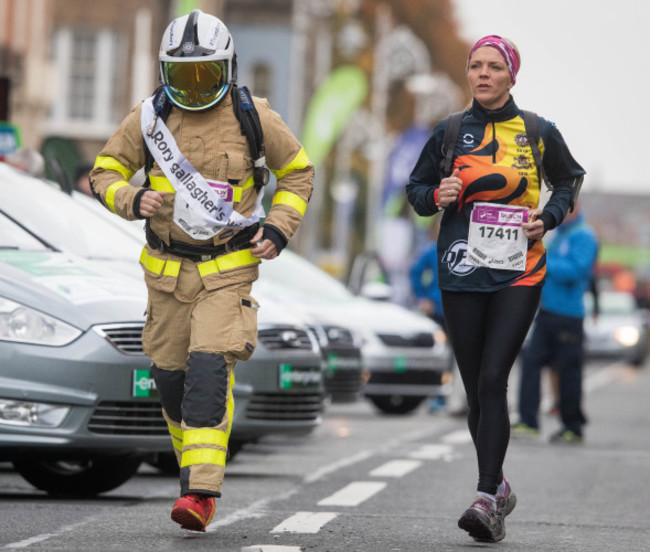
<point>506,48</point>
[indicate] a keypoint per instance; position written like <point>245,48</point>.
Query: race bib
<point>191,222</point>
<point>496,239</point>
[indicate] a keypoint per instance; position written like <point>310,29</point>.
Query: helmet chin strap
<point>233,68</point>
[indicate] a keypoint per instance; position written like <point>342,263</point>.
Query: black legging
<point>486,332</point>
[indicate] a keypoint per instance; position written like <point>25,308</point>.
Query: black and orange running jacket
<point>496,165</point>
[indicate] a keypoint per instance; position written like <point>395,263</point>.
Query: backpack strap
<point>531,121</point>
<point>162,107</point>
<point>251,128</point>
<point>449,142</point>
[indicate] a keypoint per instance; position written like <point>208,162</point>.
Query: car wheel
<point>639,359</point>
<point>166,463</point>
<point>234,447</point>
<point>78,477</point>
<point>396,404</point>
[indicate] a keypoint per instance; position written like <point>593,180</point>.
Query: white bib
<point>202,208</point>
<point>496,239</point>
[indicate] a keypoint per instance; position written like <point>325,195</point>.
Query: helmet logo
<point>188,47</point>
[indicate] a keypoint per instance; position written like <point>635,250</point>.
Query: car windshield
<point>610,302</point>
<point>12,236</point>
<point>65,223</point>
<point>292,271</point>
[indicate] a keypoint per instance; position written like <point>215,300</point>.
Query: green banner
<point>330,108</point>
<point>183,7</point>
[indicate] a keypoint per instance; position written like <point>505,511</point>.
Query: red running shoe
<point>193,511</point>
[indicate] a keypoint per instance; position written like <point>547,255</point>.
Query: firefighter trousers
<point>194,336</point>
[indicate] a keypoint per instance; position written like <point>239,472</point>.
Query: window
<point>90,81</point>
<point>262,80</point>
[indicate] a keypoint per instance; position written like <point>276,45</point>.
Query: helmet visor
<point>195,85</point>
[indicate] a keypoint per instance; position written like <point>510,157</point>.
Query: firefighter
<point>202,203</point>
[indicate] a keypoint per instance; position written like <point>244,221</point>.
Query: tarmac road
<point>372,483</point>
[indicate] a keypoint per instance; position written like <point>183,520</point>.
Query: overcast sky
<point>586,67</point>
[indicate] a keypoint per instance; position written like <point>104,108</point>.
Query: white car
<point>406,353</point>
<point>280,389</point>
<point>619,331</point>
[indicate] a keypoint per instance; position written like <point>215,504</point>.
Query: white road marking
<point>270,548</point>
<point>255,510</point>
<point>432,452</point>
<point>304,522</point>
<point>335,466</point>
<point>396,468</point>
<point>353,494</point>
<point>40,538</point>
<point>460,437</point>
<point>603,377</point>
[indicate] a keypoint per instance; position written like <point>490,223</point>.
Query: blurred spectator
<point>424,284</point>
<point>27,160</point>
<point>82,178</point>
<point>557,338</point>
<point>424,279</point>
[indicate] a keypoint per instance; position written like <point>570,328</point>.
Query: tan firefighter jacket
<point>212,142</point>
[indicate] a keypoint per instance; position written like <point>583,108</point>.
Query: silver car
<point>72,406</point>
<point>405,353</point>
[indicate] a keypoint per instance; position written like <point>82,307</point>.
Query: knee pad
<point>206,389</point>
<point>170,385</point>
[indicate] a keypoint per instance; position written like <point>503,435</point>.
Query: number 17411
<point>501,233</point>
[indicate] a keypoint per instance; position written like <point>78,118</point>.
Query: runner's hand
<point>150,202</point>
<point>263,249</point>
<point>449,189</point>
<point>533,230</point>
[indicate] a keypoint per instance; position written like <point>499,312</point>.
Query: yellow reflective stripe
<point>172,268</point>
<point>161,184</point>
<point>238,190</point>
<point>232,260</point>
<point>230,405</point>
<point>110,194</point>
<point>174,431</point>
<point>205,437</point>
<point>291,200</point>
<point>203,456</point>
<point>159,266</point>
<point>112,164</point>
<point>300,161</point>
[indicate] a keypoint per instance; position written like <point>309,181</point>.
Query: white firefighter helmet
<point>196,61</point>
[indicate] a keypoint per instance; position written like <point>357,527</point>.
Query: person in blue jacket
<point>557,338</point>
<point>424,281</point>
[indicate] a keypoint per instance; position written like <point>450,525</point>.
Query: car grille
<point>343,382</point>
<point>124,337</point>
<point>410,377</point>
<point>285,337</point>
<point>128,418</point>
<point>339,337</point>
<point>417,340</point>
<point>285,406</point>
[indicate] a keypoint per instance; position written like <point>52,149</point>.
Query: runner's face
<point>489,79</point>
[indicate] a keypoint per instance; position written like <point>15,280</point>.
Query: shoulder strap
<point>449,142</point>
<point>249,122</point>
<point>251,128</point>
<point>161,106</point>
<point>531,121</point>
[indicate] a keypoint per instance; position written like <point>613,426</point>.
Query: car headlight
<point>628,336</point>
<point>33,414</point>
<point>26,325</point>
